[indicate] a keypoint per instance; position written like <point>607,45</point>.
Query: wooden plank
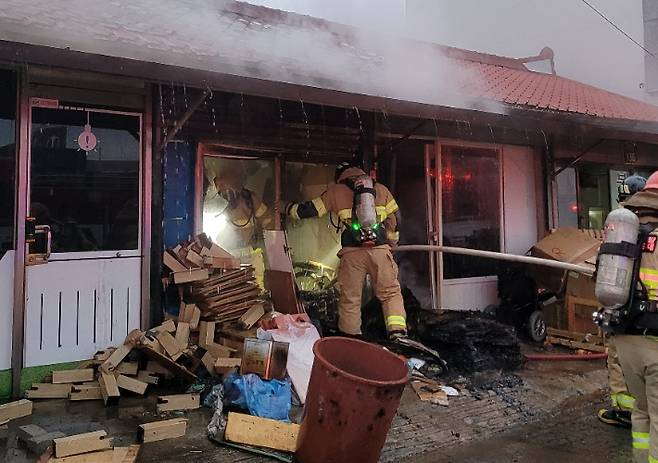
<point>218,350</point>
<point>206,333</point>
<point>104,354</point>
<point>109,388</point>
<point>48,391</point>
<point>13,410</point>
<point>128,368</point>
<point>173,367</point>
<point>178,402</point>
<point>183,334</point>
<point>195,258</point>
<point>156,368</point>
<point>85,392</point>
<point>251,316</point>
<point>81,443</point>
<point>224,365</point>
<point>575,344</point>
<point>169,326</point>
<point>261,432</point>
<point>208,361</point>
<point>172,263</point>
<point>148,377</point>
<point>189,276</point>
<point>168,342</point>
<point>161,430</point>
<point>582,337</point>
<point>221,262</point>
<point>191,314</point>
<point>73,376</point>
<point>115,455</point>
<point>131,384</point>
<point>116,358</point>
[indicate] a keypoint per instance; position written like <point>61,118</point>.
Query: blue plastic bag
<point>266,399</point>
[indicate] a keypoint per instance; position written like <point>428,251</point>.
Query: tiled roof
<point>250,41</point>
<point>525,88</point>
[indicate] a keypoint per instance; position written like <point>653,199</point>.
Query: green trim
<point>5,384</point>
<point>30,375</point>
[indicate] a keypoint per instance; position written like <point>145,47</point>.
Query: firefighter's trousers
<point>639,361</point>
<point>355,264</point>
<point>619,395</point>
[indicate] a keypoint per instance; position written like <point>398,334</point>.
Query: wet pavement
<point>545,413</point>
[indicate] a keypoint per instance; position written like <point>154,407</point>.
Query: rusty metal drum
<point>353,394</point>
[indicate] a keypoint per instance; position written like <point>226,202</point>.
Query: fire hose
<point>495,255</point>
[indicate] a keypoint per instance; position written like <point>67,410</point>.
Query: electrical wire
<point>618,28</point>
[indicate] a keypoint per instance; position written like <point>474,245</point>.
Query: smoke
<point>209,35</point>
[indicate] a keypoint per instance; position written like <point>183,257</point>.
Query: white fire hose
<point>495,255</point>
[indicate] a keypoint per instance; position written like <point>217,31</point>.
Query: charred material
<point>472,341</point>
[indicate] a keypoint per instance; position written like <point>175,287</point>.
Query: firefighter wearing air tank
<point>370,217</point>
<point>622,400</point>
<point>627,289</point>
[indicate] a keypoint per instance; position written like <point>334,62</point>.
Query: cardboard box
<point>564,245</point>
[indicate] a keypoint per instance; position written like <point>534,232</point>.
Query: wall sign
<point>87,139</point>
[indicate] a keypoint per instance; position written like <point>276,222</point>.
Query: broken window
<point>471,208</point>
<point>7,159</point>
<point>313,242</point>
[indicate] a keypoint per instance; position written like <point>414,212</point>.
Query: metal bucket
<point>353,395</point>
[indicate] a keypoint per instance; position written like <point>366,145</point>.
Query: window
<point>7,159</point>
<point>471,208</point>
<point>90,199</point>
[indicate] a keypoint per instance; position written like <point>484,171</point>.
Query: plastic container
<point>353,395</point>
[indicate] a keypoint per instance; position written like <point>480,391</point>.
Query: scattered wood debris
<point>115,455</point>
<point>12,410</point>
<point>178,402</point>
<point>577,341</point>
<point>81,443</point>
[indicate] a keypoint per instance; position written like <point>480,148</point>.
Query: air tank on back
<point>615,272</point>
<point>364,190</point>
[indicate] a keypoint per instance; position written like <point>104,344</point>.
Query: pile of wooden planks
<point>228,295</point>
<point>215,282</point>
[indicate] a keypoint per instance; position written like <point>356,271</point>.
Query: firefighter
<point>637,347</point>
<point>369,217</point>
<point>243,214</point>
<point>622,401</point>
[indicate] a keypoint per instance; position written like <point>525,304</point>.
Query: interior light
<point>213,225</point>
<point>356,226</point>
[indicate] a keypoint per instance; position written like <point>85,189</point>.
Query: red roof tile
<point>525,88</point>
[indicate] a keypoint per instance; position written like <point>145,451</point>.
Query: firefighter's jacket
<point>339,199</point>
<point>645,204</point>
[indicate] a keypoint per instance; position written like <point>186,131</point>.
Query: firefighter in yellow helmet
<point>637,347</point>
<point>622,400</point>
<point>369,216</point>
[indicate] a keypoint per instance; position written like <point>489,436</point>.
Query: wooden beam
<point>116,455</point>
<point>116,358</point>
<point>161,430</point>
<point>128,368</point>
<point>13,410</point>
<point>48,391</point>
<point>109,388</point>
<point>183,334</point>
<point>85,392</point>
<point>131,384</point>
<point>168,326</point>
<point>261,432</point>
<point>224,366</point>
<point>206,333</point>
<point>251,316</point>
<point>178,402</point>
<point>208,361</point>
<point>148,377</point>
<point>168,342</point>
<point>73,376</point>
<point>192,315</point>
<point>81,443</point>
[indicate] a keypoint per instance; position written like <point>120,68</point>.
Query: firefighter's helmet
<point>632,185</point>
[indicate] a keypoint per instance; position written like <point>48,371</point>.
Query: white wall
<point>587,48</point>
<point>6,308</point>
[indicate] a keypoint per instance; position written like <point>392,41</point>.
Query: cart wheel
<point>537,326</point>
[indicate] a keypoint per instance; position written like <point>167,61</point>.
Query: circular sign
<point>87,139</point>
